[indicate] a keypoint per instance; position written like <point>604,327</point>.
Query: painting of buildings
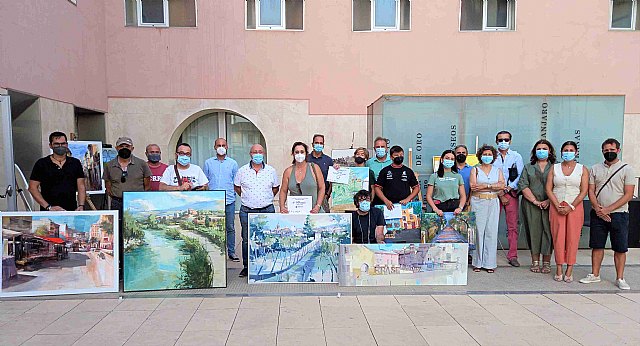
<point>405,229</point>
<point>342,194</point>
<point>296,248</point>
<point>403,264</point>
<point>51,253</point>
<point>449,228</point>
<point>90,155</point>
<point>174,240</point>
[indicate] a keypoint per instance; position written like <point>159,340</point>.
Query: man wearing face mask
<point>221,170</point>
<point>511,164</point>
<point>324,162</point>
<point>56,178</point>
<point>382,159</point>
<point>464,169</point>
<point>397,183</point>
<point>367,224</point>
<point>256,183</point>
<point>183,176</point>
<point>611,187</point>
<point>125,173</point>
<point>157,168</point>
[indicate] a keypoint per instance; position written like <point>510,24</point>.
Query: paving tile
<point>425,315</point>
<point>380,300</point>
<point>260,303</point>
<point>75,322</point>
<point>555,314</point>
<point>301,336</point>
<point>139,304</point>
<point>518,335</point>
<point>299,301</point>
<point>631,296</point>
<point>125,322</point>
<point>98,305</point>
<point>172,320</point>
<point>471,315</point>
<point>589,334</point>
<point>416,300</point>
<point>49,306</point>
<point>52,340</point>
<point>390,316</point>
<point>405,335</point>
<point>252,336</point>
<point>515,315</point>
<point>352,336</point>
<point>531,299</point>
<point>29,323</point>
<point>301,316</point>
<point>630,333</point>
<point>199,338</point>
<point>342,301</point>
<point>219,319</point>
<point>179,303</point>
<point>446,335</point>
<point>15,339</point>
<point>248,319</point>
<point>153,338</point>
<point>18,306</point>
<point>609,298</point>
<point>342,316</point>
<point>569,299</point>
<point>220,303</point>
<point>629,310</point>
<point>599,314</point>
<point>452,300</point>
<point>492,299</point>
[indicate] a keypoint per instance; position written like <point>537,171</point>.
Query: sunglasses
<point>123,178</point>
<point>503,140</point>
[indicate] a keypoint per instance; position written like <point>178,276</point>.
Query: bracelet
<point>48,207</point>
<point>571,206</point>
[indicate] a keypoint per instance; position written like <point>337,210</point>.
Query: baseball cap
<point>124,140</point>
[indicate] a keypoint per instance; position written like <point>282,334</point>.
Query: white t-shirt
<point>194,173</point>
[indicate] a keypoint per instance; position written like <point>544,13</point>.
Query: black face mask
<point>461,158</point>
<point>359,160</point>
<point>610,156</point>
<point>124,153</point>
<point>60,151</point>
<point>398,160</point>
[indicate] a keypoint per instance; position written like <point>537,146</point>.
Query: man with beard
<point>125,173</point>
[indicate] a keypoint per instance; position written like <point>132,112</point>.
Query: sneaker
<point>623,285</point>
<point>243,273</point>
<point>514,262</point>
<point>590,279</point>
<point>234,258</point>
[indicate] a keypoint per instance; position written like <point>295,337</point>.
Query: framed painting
<point>449,228</point>
<point>403,223</point>
<point>90,155</point>
<point>342,194</point>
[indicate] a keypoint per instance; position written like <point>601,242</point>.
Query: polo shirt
<point>377,165</point>
<point>137,170</point>
<point>614,190</point>
<point>324,162</point>
<point>256,187</point>
<point>58,185</point>
<point>221,174</point>
<point>396,183</point>
<point>446,188</point>
<point>465,172</point>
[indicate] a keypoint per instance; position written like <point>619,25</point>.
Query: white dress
<point>487,217</point>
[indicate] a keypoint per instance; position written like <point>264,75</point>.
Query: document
<point>299,204</point>
<point>395,213</point>
<point>340,176</point>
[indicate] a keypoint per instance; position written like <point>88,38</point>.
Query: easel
<point>414,172</point>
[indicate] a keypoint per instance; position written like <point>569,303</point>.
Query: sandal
<point>558,277</point>
<point>546,268</point>
<point>535,267</point>
<point>568,279</point>
<point>490,271</point>
<point>477,270</point>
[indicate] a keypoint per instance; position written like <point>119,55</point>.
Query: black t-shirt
<point>396,183</point>
<point>360,223</point>
<point>58,185</point>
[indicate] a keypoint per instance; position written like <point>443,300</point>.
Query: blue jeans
<point>229,218</point>
<point>244,223</point>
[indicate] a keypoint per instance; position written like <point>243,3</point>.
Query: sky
<point>288,220</point>
<point>81,223</point>
<point>161,201</point>
<point>78,149</point>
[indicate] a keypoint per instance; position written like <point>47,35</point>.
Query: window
<point>624,15</point>
<point>381,15</point>
<point>487,15</point>
<point>275,14</point>
<point>160,13</point>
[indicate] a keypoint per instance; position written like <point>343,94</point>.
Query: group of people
<point>551,210</point>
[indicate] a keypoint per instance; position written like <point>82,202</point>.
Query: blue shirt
<point>221,175</point>
<point>509,160</point>
<point>324,162</point>
<point>376,165</point>
<point>465,172</point>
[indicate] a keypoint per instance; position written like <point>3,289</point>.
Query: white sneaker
<point>623,285</point>
<point>590,279</point>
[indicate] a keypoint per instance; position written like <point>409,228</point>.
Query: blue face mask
<point>542,154</point>
<point>380,152</point>
<point>503,145</point>
<point>365,206</point>
<point>487,159</point>
<point>318,147</point>
<point>257,159</point>
<point>448,163</point>
<point>184,160</point>
<point>568,155</point>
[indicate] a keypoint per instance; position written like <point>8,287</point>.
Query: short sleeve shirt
<point>614,190</point>
<point>156,174</point>
<point>58,185</point>
<point>396,183</point>
<point>465,172</point>
<point>363,227</point>
<point>221,174</point>
<point>324,162</point>
<point>137,171</point>
<point>192,174</point>
<point>256,187</point>
<point>447,187</point>
<point>376,165</point>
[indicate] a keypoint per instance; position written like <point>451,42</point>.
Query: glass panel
<point>621,14</point>
<point>182,13</point>
<point>251,14</point>
<point>241,135</point>
<point>271,12</point>
<point>131,12</point>
<point>294,10</point>
<point>201,134</point>
<point>361,15</point>
<point>497,13</point>
<point>153,11</point>
<point>7,177</point>
<point>405,15</point>
<point>471,15</point>
<point>385,12</point>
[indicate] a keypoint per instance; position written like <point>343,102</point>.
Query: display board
<point>342,194</point>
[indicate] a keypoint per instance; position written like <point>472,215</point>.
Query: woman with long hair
<point>302,178</point>
<point>445,191</point>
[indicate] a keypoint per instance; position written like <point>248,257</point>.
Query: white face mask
<point>299,157</point>
<point>221,151</point>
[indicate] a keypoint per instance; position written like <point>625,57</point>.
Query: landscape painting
<point>90,155</point>
<point>343,157</point>
<point>296,248</point>
<point>403,264</point>
<point>52,253</point>
<point>174,240</point>
<point>450,228</point>
<point>342,194</point>
<point>405,229</point>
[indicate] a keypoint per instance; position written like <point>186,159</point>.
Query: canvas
<point>342,194</point>
<point>90,155</point>
<point>438,229</point>
<point>51,253</point>
<point>407,228</point>
<point>296,248</point>
<point>174,240</point>
<point>403,264</point>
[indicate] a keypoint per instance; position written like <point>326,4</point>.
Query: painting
<point>342,194</point>
<point>90,155</point>
<point>403,264</point>
<point>449,228</point>
<point>296,248</point>
<point>52,253</point>
<point>406,228</point>
<point>174,240</point>
<point>109,154</point>
<point>344,157</point>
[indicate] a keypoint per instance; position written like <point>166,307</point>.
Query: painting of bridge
<point>296,248</point>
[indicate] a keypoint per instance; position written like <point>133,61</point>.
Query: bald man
<point>157,167</point>
<point>256,183</point>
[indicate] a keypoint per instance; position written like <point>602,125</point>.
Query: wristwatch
<point>48,207</point>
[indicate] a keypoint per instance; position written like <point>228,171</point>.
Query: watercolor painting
<point>51,253</point>
<point>406,228</point>
<point>342,194</point>
<point>296,248</point>
<point>403,264</point>
<point>90,155</point>
<point>174,240</point>
<point>449,228</point>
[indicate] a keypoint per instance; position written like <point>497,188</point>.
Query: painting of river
<point>296,248</point>
<point>174,240</point>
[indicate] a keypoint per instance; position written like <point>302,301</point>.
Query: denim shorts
<point>618,229</point>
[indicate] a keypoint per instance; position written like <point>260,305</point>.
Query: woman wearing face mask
<point>445,192</point>
<point>567,185</point>
<point>302,179</point>
<point>361,155</point>
<point>535,205</point>
<point>367,224</point>
<point>485,182</point>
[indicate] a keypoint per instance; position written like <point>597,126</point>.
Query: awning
<point>53,240</point>
<point>7,233</point>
